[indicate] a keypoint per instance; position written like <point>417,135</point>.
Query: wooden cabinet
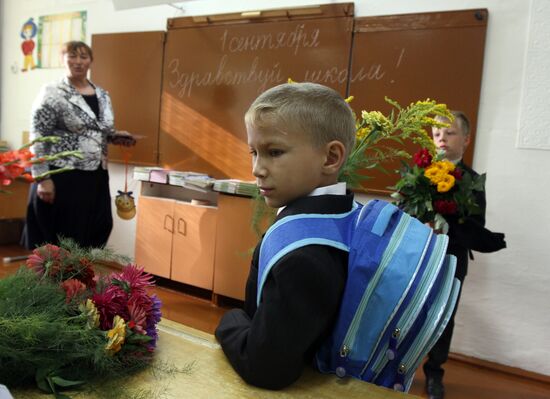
<point>204,246</point>
<point>154,235</point>
<point>176,240</point>
<point>193,245</point>
<point>235,241</point>
<point>14,205</point>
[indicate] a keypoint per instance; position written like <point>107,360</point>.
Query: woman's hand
<point>46,191</point>
<point>123,138</point>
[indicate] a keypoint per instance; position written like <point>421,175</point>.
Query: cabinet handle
<point>184,232</point>
<point>170,228</point>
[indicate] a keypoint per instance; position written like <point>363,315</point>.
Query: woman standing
<point>75,204</point>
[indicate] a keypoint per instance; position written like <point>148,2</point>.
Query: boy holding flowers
<point>464,235</point>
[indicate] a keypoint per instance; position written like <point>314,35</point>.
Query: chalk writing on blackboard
<point>398,63</point>
<point>184,82</point>
<point>266,74</point>
<point>298,38</point>
<point>337,75</point>
<point>374,71</point>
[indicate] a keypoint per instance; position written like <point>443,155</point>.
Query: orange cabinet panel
<point>202,246</point>
<point>235,241</point>
<point>194,244</point>
<point>14,205</point>
<point>155,224</point>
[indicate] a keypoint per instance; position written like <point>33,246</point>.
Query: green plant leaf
<point>65,383</point>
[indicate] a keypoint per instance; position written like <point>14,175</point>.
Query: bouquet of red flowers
<point>434,188</point>
<point>15,163</point>
<point>62,325</point>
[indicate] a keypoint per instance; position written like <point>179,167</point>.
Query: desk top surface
<point>191,364</point>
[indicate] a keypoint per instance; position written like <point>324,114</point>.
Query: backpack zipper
<point>404,324</point>
<point>396,239</point>
<point>412,358</point>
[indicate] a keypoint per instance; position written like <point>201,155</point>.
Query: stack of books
<point>233,186</point>
<point>195,181</point>
<point>191,180</point>
<point>4,146</point>
<point>145,173</point>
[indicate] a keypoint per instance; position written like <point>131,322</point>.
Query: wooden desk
<point>14,205</point>
<point>211,376</point>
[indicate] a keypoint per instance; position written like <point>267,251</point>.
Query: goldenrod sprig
<point>374,129</point>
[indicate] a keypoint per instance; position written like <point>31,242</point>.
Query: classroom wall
<point>503,316</point>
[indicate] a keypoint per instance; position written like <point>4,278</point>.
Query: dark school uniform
<point>464,237</point>
<point>270,345</point>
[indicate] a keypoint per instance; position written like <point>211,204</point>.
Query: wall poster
<point>53,31</point>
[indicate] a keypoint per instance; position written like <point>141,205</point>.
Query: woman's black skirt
<point>81,211</point>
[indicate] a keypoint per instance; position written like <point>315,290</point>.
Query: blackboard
<point>412,57</point>
<point>186,90</point>
<point>129,67</point>
<point>214,69</point>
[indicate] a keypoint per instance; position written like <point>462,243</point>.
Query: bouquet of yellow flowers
<point>434,188</point>
<point>377,135</point>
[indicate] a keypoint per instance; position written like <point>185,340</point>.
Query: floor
<point>462,380</point>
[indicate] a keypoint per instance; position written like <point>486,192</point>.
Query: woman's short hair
<point>314,109</point>
<point>75,46</point>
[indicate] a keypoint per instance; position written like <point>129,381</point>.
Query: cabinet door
<point>155,224</point>
<point>234,244</point>
<point>194,245</point>
<point>14,205</point>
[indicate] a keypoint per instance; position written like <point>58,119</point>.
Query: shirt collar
<point>333,189</point>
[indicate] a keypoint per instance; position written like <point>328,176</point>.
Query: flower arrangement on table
<point>61,325</point>
<point>15,163</point>
<point>434,188</point>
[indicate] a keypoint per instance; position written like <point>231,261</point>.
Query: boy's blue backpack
<point>399,295</point>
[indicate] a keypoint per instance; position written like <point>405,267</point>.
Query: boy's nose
<point>258,170</point>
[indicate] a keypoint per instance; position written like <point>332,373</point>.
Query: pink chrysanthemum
<point>47,260</point>
<point>109,303</point>
<point>133,278</point>
<point>138,308</point>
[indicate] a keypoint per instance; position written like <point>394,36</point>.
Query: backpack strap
<point>333,230</point>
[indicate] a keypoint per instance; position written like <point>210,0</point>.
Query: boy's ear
<point>467,139</point>
<point>335,157</point>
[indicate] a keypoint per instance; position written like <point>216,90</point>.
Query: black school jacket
<point>471,234</point>
<point>269,345</point>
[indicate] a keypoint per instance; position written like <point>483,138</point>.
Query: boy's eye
<point>275,153</point>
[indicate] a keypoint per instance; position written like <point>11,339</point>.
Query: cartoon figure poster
<point>28,32</point>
